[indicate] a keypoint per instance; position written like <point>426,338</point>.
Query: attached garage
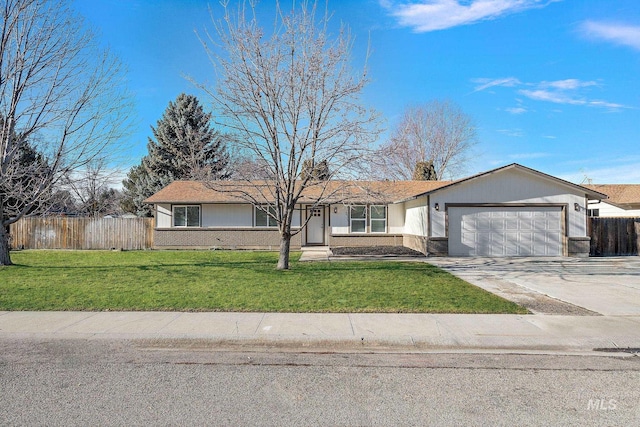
<point>505,231</point>
<point>508,212</point>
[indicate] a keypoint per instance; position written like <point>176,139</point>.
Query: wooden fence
<point>614,236</point>
<point>82,233</point>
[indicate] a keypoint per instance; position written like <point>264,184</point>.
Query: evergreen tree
<point>139,185</point>
<point>184,146</point>
<point>134,191</point>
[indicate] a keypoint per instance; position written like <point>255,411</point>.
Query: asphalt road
<point>102,382</point>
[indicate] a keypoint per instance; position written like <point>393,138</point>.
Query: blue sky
<point>553,85</point>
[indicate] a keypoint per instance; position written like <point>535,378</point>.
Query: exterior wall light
<point>437,206</point>
<point>335,210</point>
<point>576,206</point>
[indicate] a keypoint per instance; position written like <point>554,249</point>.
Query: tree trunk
<point>285,245</point>
<point>5,258</point>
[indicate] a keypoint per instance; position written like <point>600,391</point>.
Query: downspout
<point>428,224</point>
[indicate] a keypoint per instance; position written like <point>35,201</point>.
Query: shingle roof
<point>626,195</point>
<point>261,191</point>
<point>360,191</point>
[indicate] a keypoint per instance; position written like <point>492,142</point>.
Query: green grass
<point>232,281</point>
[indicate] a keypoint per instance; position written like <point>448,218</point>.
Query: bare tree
<point>288,97</point>
<point>92,189</point>
<point>60,94</point>
<point>244,168</point>
<point>438,132</point>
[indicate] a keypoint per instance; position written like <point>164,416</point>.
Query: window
<point>593,212</point>
<point>263,219</point>
<point>358,217</point>
<point>378,221</point>
<point>186,216</point>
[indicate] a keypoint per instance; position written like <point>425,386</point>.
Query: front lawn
<point>232,281</point>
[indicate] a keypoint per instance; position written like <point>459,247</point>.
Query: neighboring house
<point>623,200</point>
<point>509,211</point>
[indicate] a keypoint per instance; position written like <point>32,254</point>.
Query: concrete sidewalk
<point>338,332</point>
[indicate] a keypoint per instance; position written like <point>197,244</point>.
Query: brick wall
<point>438,246</point>
<point>434,246</point>
<point>579,246</point>
<point>206,238</point>
<point>365,240</point>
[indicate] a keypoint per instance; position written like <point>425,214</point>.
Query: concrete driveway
<point>606,286</point>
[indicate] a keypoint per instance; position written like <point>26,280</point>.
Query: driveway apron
<point>572,286</point>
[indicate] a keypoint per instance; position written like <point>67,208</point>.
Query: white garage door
<point>504,231</point>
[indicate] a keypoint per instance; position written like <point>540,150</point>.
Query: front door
<point>315,226</point>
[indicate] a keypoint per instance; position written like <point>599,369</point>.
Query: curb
<point>383,345</point>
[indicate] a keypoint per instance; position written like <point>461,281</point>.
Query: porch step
<point>315,253</point>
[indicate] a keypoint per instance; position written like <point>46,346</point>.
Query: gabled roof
<point>261,191</point>
<point>623,195</point>
<point>361,191</point>
<point>592,194</point>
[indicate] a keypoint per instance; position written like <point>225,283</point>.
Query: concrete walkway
<point>338,332</point>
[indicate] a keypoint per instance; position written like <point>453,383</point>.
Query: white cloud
<point>432,15</point>
<point>560,97</point>
<point>516,133</point>
<point>516,110</point>
<point>550,96</point>
<point>626,35</point>
<point>567,91</point>
<point>488,83</point>
<point>606,104</point>
<point>568,84</point>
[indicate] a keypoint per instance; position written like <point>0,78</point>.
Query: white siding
<point>163,216</point>
<point>416,214</point>
<point>339,220</point>
<point>510,186</point>
<point>234,215</point>
<point>297,215</point>
<point>227,215</point>
<point>395,218</point>
<point>607,210</point>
